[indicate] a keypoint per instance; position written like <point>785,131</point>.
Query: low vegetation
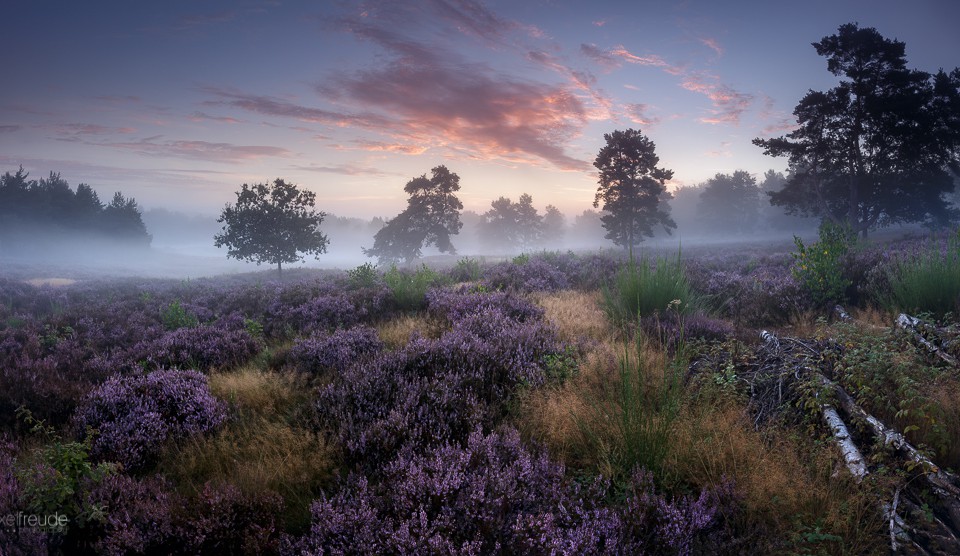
<point>550,404</point>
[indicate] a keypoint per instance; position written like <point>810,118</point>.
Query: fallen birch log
<point>841,434</point>
<point>910,324</point>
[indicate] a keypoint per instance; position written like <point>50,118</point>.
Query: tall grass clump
<point>632,424</point>
<point>930,281</point>
<point>643,287</point>
<point>410,288</point>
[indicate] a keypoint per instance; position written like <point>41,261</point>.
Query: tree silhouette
<point>431,217</point>
<point>730,202</point>
<point>48,209</point>
<point>508,225</point>
<point>272,223</point>
<point>554,225</point>
<point>632,188</point>
<point>876,149</point>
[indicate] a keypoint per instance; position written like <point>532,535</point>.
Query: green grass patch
<point>928,282</point>
<point>644,287</point>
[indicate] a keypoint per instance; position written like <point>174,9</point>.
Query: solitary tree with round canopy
<point>272,223</point>
<point>632,188</point>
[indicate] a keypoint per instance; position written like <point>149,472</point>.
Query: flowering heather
<point>454,304</point>
<point>138,515</point>
<point>762,296</point>
<point>203,347</point>
<point>223,520</point>
<point>136,415</point>
<point>536,274</point>
<point>436,391</point>
<point>336,351</point>
<point>492,495</point>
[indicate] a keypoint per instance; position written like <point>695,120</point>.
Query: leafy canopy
<point>431,217</point>
<point>272,223</point>
<point>730,202</point>
<point>877,149</point>
<point>632,188</point>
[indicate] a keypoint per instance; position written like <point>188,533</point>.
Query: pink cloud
<point>600,22</point>
<point>602,57</point>
<point>649,60</point>
<point>712,44</point>
<point>10,128</point>
<point>638,114</point>
<point>346,170</point>
<point>729,104</point>
<point>201,116</point>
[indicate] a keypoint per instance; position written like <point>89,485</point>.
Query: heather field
<point>710,400</point>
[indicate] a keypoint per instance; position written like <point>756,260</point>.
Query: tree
<point>632,188</point>
<point>431,217</point>
<point>730,202</point>
<point>878,148</point>
<point>499,225</point>
<point>272,223</point>
<point>554,225</point>
<point>122,220</point>
<point>529,223</point>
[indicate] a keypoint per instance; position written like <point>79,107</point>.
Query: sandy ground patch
<point>52,282</point>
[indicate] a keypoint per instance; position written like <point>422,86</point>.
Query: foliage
<point>819,267</point>
<point>492,495</point>
<point>336,351</point>
<point>508,226</point>
<point>272,223</point>
<point>467,270</point>
<point>644,287</point>
<point>525,275</point>
<point>363,276</point>
<point>137,415</point>
<point>409,289</point>
<point>930,281</point>
<point>632,188</point>
<point>30,207</point>
<point>431,217</point>
<point>175,316</point>
<point>730,202</point>
<point>58,477</point>
<point>875,149</point>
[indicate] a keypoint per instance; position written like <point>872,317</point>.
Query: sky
<point>177,103</point>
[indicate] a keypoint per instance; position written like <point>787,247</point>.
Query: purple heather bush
<point>136,415</point>
<point>223,520</point>
<point>536,274</point>
<point>454,304</point>
<point>335,352</point>
<point>138,515</point>
<point>669,329</point>
<point>203,347</point>
<point>493,495</point>
<point>436,391</point>
<point>763,296</point>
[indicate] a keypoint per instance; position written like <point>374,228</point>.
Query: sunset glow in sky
<point>178,103</point>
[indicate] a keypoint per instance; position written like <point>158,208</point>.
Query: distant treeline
<point>48,212</point>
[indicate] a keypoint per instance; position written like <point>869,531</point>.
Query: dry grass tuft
<point>396,333</point>
<point>790,488</point>
<point>266,446</point>
<point>577,315</point>
<point>261,393</point>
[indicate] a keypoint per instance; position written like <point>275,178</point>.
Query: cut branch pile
<point>916,327</point>
<point>783,359</point>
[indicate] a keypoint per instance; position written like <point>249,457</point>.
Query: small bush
<point>820,266</point>
<point>174,316</point>
<point>364,276</point>
<point>137,415</point>
<point>410,288</point>
<point>336,351</point>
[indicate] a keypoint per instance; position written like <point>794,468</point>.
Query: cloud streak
<point>199,150</point>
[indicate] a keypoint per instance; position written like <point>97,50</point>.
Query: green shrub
<point>928,282</point>
<point>467,270</point>
<point>642,288</point>
<point>410,288</point>
<point>174,316</point>
<point>819,266</point>
<point>60,474</point>
<point>364,276</point>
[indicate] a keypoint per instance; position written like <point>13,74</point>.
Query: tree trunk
<point>279,270</point>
